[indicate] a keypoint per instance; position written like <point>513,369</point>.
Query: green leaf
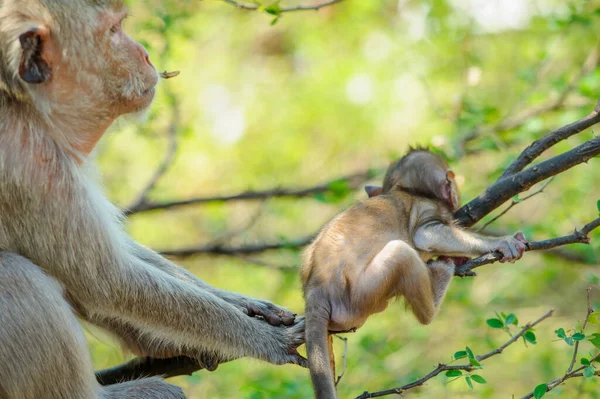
<point>540,391</point>
<point>274,20</point>
<point>469,383</point>
<point>593,318</point>
<point>495,323</point>
<point>589,371</point>
<point>474,363</point>
<point>598,206</point>
<point>273,9</point>
<point>594,339</point>
<point>560,333</point>
<point>339,187</point>
<point>469,353</point>
<point>453,373</point>
<point>460,354</point>
<point>479,379</point>
<point>530,337</point>
<point>569,341</point>
<point>511,319</point>
<point>585,361</point>
<point>578,336</point>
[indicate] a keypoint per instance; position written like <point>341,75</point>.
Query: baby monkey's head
<point>423,172</point>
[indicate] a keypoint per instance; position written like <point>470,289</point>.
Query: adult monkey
<point>383,248</point>
<point>67,71</point>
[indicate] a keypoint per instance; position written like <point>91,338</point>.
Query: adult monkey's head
<point>70,66</point>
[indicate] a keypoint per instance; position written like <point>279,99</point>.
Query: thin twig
<point>573,374</point>
<point>219,249</point>
<point>580,236</point>
<point>536,148</point>
<point>344,359</point>
<point>590,310</point>
<point>514,203</point>
<point>254,7</point>
<point>570,373</point>
<point>352,182</point>
<point>465,367</point>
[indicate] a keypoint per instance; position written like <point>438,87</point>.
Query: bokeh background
<point>292,102</point>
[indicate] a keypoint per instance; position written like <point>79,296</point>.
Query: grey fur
<point>63,250</point>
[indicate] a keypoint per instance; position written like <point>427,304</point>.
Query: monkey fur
<point>67,71</point>
<point>385,247</point>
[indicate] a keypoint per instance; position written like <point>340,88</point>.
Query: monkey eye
<point>115,28</point>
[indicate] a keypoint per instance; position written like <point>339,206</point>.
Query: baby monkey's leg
<point>441,272</point>
<point>398,270</point>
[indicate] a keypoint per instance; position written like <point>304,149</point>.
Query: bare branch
<point>514,202</point>
<point>219,249</point>
<point>254,7</point>
<point>536,148</point>
<point>502,190</point>
<point>465,367</point>
<point>353,182</point>
<point>577,237</point>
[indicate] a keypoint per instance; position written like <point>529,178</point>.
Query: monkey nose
<point>145,56</point>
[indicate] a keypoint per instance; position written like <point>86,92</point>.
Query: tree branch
<point>536,148</point>
<point>219,249</point>
<point>353,182</point>
<point>590,310</point>
<point>465,367</point>
<point>254,7</point>
<point>577,237</point>
<point>504,189</point>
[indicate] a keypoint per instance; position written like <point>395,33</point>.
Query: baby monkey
<point>384,247</point>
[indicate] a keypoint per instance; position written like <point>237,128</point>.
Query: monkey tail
<point>317,348</point>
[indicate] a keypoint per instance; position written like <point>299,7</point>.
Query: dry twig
<point>465,367</point>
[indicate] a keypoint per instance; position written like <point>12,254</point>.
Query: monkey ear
<point>450,175</point>
<point>373,191</point>
<point>33,68</point>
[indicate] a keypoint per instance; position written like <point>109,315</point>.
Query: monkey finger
<point>301,361</point>
<point>257,310</point>
<point>288,320</point>
<point>285,315</point>
<point>519,236</point>
<point>298,359</point>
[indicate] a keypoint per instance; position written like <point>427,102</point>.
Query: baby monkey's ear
<point>373,191</point>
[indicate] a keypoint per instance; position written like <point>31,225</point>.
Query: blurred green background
<point>312,96</point>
